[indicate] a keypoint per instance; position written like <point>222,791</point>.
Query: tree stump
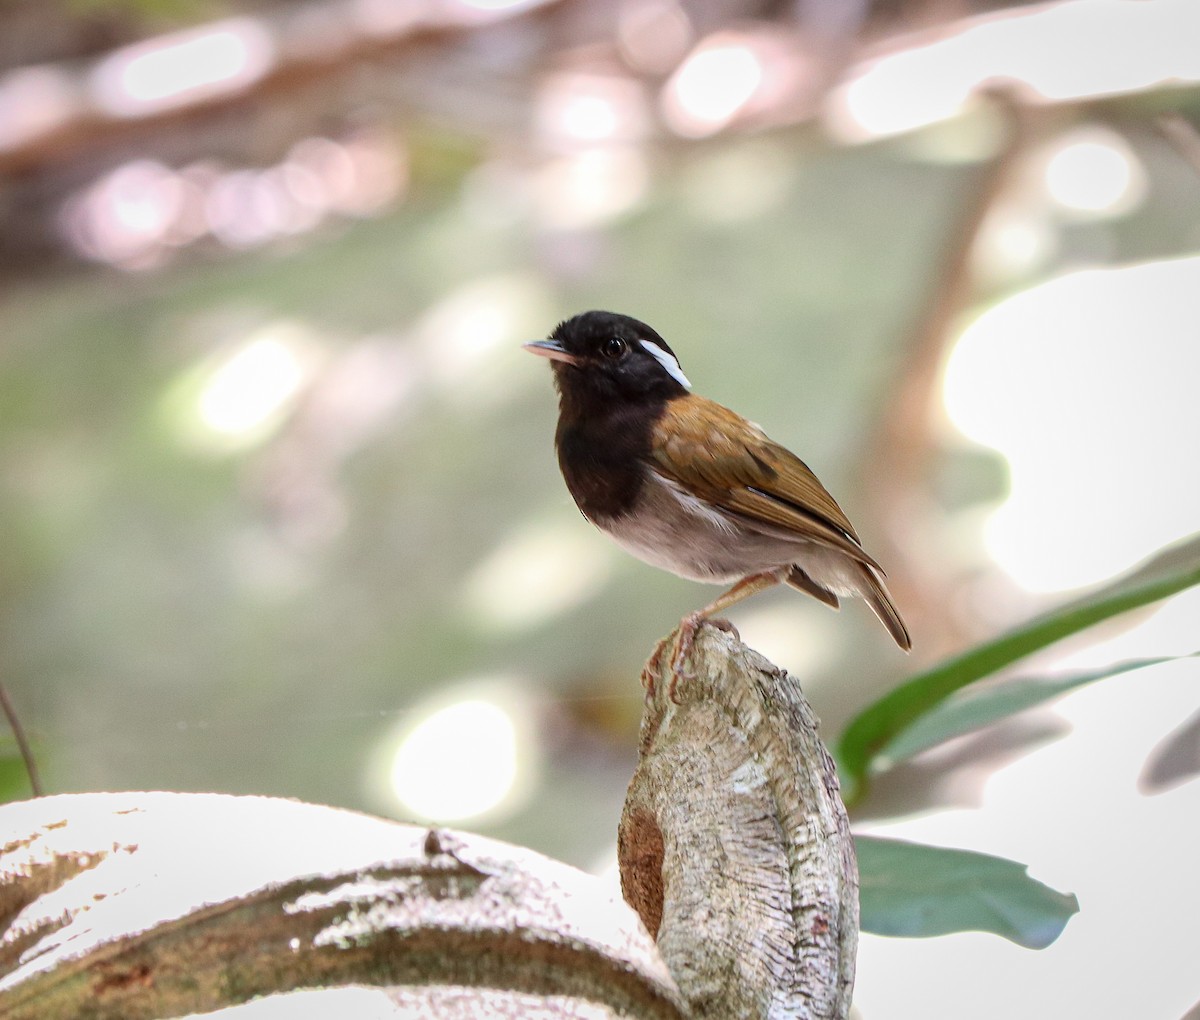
<point>734,845</point>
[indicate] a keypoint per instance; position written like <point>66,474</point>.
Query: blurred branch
<point>734,846</point>
<point>305,57</point>
<point>307,68</point>
<point>18,732</point>
<point>902,450</point>
<point>1182,134</point>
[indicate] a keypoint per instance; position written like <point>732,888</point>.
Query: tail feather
<point>798,579</point>
<point>875,594</point>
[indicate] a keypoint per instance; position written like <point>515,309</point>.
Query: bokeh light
<point>470,339</point>
<point>541,571</point>
<point>126,216</point>
<point>181,68</point>
<point>136,215</point>
<point>590,188</point>
<point>1016,240</point>
<point>712,85</point>
<point>901,92</point>
<point>576,108</point>
<point>496,7</point>
<point>1085,385</point>
<point>1022,49</point>
<point>238,397</point>
<point>251,387</point>
<point>470,754</point>
<point>797,636</point>
<point>1093,173</point>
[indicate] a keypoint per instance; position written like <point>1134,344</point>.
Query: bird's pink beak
<point>551,349</point>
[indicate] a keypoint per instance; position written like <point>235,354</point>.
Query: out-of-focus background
<point>279,502</point>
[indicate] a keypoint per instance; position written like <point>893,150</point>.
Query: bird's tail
<point>876,595</point>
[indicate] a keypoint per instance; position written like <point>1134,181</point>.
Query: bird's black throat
<point>602,452</point>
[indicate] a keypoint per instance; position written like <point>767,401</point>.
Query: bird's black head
<point>602,358</point>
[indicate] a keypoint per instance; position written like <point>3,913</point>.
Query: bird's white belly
<point>674,530</point>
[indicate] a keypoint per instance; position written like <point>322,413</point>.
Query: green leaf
<point>1172,570</point>
<point>910,890</point>
<point>965,712</point>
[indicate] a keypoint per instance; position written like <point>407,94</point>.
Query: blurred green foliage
<point>874,733</point>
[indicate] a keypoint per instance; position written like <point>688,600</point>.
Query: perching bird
<point>690,486</point>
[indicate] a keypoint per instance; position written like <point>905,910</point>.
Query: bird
<point>690,486</point>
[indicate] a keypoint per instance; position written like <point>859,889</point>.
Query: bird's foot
<point>653,665</point>
<point>685,637</point>
<point>686,634</point>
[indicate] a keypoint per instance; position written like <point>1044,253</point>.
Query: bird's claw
<point>653,666</point>
<point>681,643</point>
<point>684,640</point>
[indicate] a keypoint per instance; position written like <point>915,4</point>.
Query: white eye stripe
<point>667,362</point>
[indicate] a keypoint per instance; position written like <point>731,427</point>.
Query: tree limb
<point>145,905</point>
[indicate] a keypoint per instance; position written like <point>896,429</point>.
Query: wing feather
<point>730,462</point>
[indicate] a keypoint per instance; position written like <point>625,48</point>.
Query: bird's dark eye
<point>613,347</point>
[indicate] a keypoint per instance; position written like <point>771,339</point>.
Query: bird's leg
<point>747,586</point>
<point>686,635</point>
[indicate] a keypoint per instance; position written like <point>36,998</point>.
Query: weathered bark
<point>734,845</point>
<point>158,904</point>
<point>734,850</point>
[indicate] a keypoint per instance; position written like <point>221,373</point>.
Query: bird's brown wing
<point>720,457</point>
